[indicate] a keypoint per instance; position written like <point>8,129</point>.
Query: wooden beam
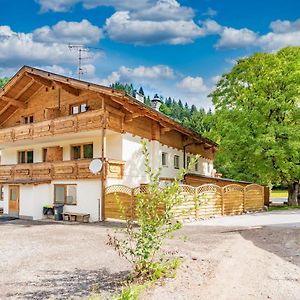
<point>41,80</point>
<point>4,108</point>
<point>207,147</point>
<point>68,88</point>
<point>131,117</point>
<point>114,110</point>
<point>24,89</point>
<point>14,102</point>
<point>124,104</point>
<point>163,130</point>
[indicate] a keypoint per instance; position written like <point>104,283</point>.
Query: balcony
<point>90,120</point>
<point>61,170</point>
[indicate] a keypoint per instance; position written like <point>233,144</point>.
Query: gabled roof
<point>28,81</point>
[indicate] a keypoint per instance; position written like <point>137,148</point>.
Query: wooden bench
<point>73,217</point>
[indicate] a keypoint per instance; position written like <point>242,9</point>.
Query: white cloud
<point>21,49</point>
<point>8,72</point>
<point>66,5</point>
<point>140,74</point>
<point>69,32</point>
<point>216,79</point>
<point>210,27</point>
<point>193,84</point>
<point>5,32</point>
<point>236,38</point>
<point>57,69</point>
<point>210,12</point>
<point>121,27</point>
<point>275,41</point>
<point>285,26</point>
<point>163,80</point>
<point>46,45</point>
<point>164,10</point>
<point>284,33</point>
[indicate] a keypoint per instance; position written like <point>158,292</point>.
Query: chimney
<point>139,97</point>
<point>156,102</point>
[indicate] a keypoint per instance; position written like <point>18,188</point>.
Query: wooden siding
<point>199,202</point>
<point>90,120</point>
<point>75,169</point>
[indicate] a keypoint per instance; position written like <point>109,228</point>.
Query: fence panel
<point>118,198</point>
<point>254,197</point>
<point>233,198</point>
<point>196,202</point>
<point>186,208</point>
<point>209,198</point>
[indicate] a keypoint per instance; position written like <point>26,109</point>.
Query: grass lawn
<point>279,193</point>
<point>283,207</point>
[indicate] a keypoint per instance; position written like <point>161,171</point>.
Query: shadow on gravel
<point>281,241</point>
<point>4,219</point>
<point>29,223</point>
<point>70,285</point>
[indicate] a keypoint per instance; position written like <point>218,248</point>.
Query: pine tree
<point>141,91</point>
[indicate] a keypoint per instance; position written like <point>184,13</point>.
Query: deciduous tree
<point>258,119</point>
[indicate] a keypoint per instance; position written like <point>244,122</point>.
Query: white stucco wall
<point>114,146</point>
<point>88,197</point>
<point>134,173</point>
<point>34,197</point>
<point>134,170</point>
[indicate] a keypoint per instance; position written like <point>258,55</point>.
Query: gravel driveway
<point>223,258</point>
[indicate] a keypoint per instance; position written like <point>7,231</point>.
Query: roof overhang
<point>28,81</point>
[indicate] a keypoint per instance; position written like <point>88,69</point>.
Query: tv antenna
<point>80,48</point>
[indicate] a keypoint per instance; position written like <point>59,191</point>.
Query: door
<point>14,196</point>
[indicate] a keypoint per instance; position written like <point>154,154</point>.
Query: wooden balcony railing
<point>75,169</point>
<point>69,124</point>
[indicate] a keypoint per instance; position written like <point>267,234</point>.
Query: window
<point>65,194</point>
<point>82,151</point>
<point>78,108</point>
<point>27,119</point>
<point>188,161</point>
<point>25,157</point>
<point>164,159</point>
<point>176,161</point>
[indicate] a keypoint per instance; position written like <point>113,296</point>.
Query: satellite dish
<point>96,166</point>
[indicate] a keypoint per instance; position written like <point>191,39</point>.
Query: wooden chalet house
<point>51,128</point>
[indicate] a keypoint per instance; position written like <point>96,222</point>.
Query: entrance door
<point>14,194</point>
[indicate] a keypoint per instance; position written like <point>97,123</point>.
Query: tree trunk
<point>294,190</point>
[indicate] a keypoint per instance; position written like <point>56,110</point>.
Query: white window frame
<point>176,161</point>
<point>166,159</point>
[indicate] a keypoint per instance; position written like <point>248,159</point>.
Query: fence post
<point>244,198</point>
<point>222,200</point>
<point>196,203</point>
<point>132,204</point>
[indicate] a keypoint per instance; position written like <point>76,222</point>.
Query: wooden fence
<point>203,201</point>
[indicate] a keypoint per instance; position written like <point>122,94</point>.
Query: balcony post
<point>103,177</point>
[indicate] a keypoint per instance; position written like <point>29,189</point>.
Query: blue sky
<point>174,48</point>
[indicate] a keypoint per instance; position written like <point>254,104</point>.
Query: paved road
<point>279,200</point>
<point>289,218</point>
